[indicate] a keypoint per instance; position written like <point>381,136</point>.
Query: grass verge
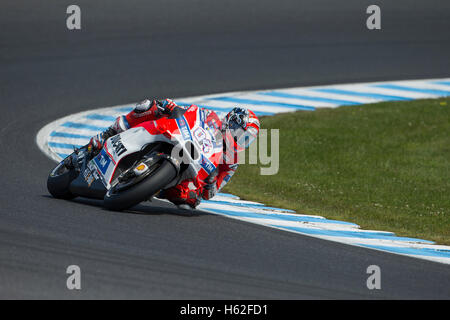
<point>384,166</point>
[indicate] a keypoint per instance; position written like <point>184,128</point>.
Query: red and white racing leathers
<point>189,191</point>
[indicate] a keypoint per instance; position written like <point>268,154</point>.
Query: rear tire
<point>121,200</point>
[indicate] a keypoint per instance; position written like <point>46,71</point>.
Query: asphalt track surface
<point>128,50</point>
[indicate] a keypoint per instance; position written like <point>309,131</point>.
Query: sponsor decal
<point>140,169</point>
<point>202,117</point>
<point>202,138</point>
<point>102,161</point>
<point>227,178</point>
<point>118,146</point>
<point>88,176</point>
<point>207,146</point>
<point>207,165</point>
<point>184,129</point>
<point>199,134</point>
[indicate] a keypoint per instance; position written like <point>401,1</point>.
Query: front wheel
<point>59,180</point>
<point>121,197</point>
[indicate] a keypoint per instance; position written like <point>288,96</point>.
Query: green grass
<point>384,166</point>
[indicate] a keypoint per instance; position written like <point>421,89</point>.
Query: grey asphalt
<point>128,50</point>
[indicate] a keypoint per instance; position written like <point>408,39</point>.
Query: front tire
<point>124,199</point>
<point>59,180</point>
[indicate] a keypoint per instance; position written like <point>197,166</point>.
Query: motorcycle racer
<point>239,129</point>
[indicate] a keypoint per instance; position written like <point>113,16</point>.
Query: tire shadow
<point>154,207</point>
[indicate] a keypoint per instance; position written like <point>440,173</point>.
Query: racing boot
<point>184,195</point>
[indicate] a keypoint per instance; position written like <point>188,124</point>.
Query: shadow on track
<point>155,207</point>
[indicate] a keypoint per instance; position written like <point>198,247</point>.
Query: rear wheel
<point>129,193</point>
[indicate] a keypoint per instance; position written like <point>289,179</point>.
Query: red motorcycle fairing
<point>192,127</point>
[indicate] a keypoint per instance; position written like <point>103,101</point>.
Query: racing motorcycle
<point>136,164</point>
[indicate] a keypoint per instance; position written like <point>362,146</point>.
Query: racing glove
<point>210,187</point>
<point>209,191</point>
